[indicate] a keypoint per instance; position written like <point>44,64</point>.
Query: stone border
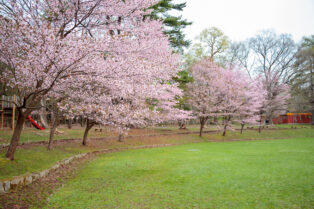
<point>23,180</point>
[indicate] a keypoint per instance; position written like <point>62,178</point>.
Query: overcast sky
<point>241,19</point>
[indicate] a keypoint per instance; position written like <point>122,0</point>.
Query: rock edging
<point>23,180</point>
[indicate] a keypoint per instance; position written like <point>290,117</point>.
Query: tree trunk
<point>81,121</point>
<point>227,119</point>
<point>202,121</point>
<point>121,137</point>
<point>270,121</point>
<point>55,123</point>
<point>16,135</point>
<point>242,126</point>
<point>260,125</point>
<point>70,123</point>
<point>181,124</point>
<point>225,130</point>
<point>43,115</point>
<point>89,125</point>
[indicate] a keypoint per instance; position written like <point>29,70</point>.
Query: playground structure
<point>7,110</point>
<point>8,114</point>
<point>293,118</point>
<point>34,123</point>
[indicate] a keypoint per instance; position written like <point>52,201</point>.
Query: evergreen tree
<point>172,25</point>
<point>183,79</point>
<point>303,79</point>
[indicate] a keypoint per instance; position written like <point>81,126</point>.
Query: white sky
<point>241,19</point>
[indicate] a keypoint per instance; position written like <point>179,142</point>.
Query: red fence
<point>293,118</point>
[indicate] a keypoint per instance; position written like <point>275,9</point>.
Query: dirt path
<point>65,141</point>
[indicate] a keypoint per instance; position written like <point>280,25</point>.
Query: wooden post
<point>13,113</point>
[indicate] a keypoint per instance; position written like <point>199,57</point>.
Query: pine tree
<point>172,25</point>
<point>303,79</point>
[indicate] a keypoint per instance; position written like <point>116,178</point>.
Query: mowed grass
<point>38,158</point>
<point>251,174</point>
<point>265,134</point>
<point>34,159</point>
<point>32,134</point>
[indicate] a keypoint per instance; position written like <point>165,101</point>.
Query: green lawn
<point>34,159</point>
<point>32,134</point>
<point>265,134</point>
<point>295,125</point>
<point>255,174</point>
<point>37,158</point>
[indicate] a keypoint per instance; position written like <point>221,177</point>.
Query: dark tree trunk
<point>55,123</point>
<point>16,135</point>
<point>81,121</point>
<point>181,124</point>
<point>225,130</point>
<point>70,123</point>
<point>89,125</point>
<point>242,126</point>
<point>260,125</point>
<point>202,121</point>
<point>227,119</point>
<point>121,137</point>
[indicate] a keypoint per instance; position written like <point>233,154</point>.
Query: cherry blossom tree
<point>202,93</point>
<point>118,95</point>
<point>44,44</point>
<point>243,99</point>
<point>226,93</point>
<point>269,56</point>
<point>277,97</point>
<point>253,102</point>
<point>138,98</point>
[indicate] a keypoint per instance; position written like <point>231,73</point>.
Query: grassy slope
<point>38,158</point>
<point>34,159</point>
<point>256,174</point>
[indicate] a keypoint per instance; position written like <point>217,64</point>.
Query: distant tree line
<point>285,67</point>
